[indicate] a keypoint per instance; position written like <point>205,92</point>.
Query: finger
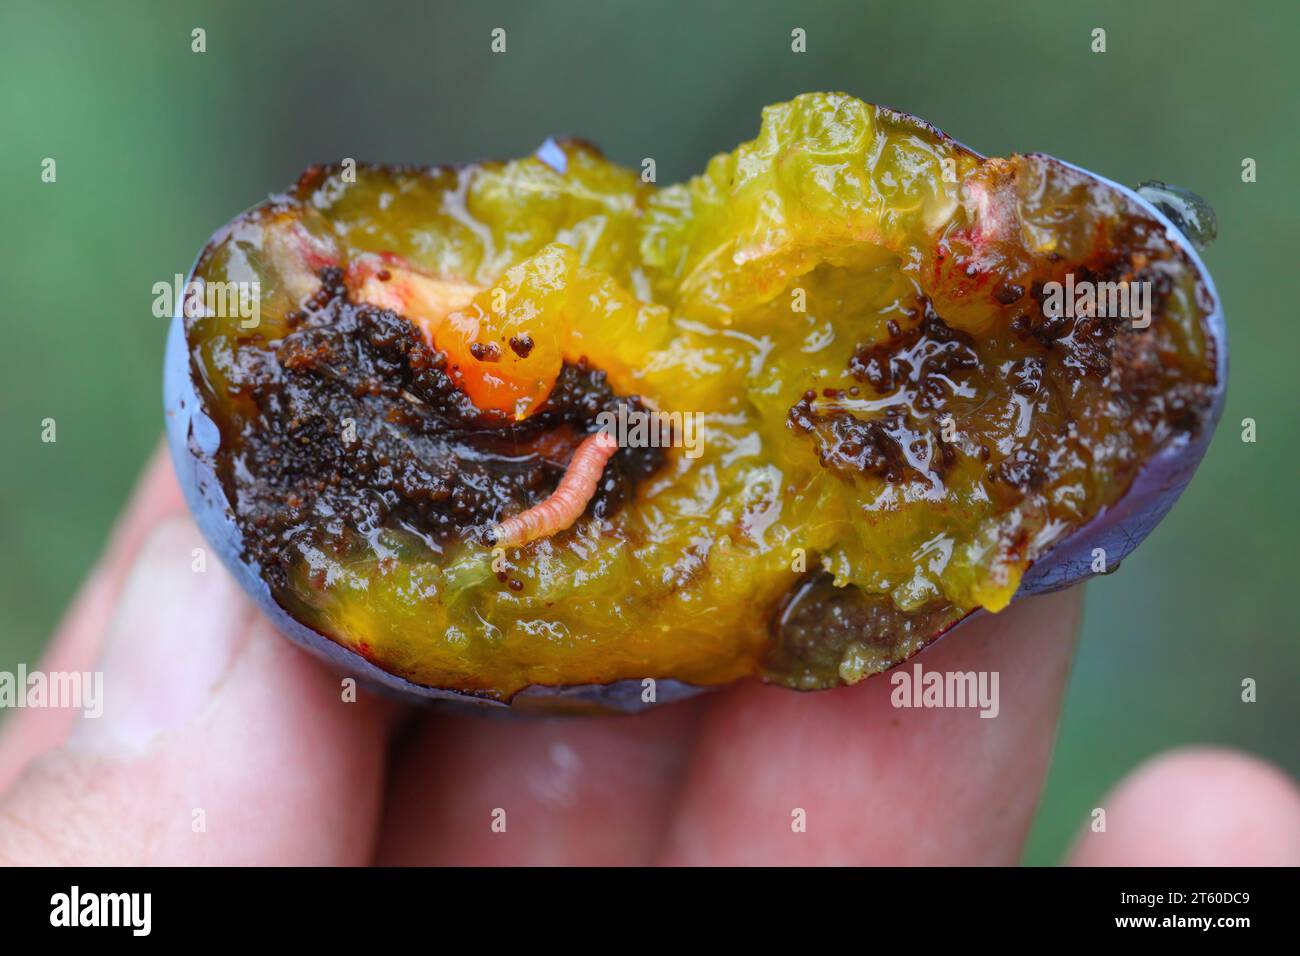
<point>1199,806</point>
<point>30,731</point>
<point>218,743</point>
<point>474,789</point>
<point>844,777</point>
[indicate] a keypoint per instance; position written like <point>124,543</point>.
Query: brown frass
<point>358,426</point>
<point>1039,368</point>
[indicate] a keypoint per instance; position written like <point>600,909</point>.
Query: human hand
<point>222,743</point>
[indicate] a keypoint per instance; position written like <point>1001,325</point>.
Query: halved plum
<point>863,381</point>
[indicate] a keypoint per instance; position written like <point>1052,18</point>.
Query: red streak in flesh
<point>567,503</point>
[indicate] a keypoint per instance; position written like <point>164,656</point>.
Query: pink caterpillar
<point>567,503</point>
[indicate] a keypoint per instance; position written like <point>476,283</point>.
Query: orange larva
<point>567,503</point>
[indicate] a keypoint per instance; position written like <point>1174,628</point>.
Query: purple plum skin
<point>1118,530</point>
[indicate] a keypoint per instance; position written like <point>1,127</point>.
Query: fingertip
<point>532,790</point>
<point>177,627</point>
<point>1197,806</point>
<point>854,775</point>
<point>206,737</point>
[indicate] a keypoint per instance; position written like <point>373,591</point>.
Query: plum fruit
<point>541,432</point>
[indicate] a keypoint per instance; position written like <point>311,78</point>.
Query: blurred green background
<point>156,146</point>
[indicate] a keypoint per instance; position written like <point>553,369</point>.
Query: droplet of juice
<point>1186,210</point>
